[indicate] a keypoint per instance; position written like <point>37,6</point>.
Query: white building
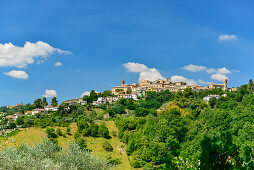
<point>35,111</point>
<point>207,98</point>
<point>51,108</point>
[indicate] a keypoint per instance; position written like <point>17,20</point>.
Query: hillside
<point>33,135</point>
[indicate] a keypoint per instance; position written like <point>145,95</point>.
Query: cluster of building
<point>140,89</point>
<point>133,91</point>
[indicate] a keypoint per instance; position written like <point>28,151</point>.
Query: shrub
<point>116,161</point>
<point>59,132</point>
<point>68,130</point>
<point>76,135</point>
<point>51,133</point>
<point>107,146</point>
<point>49,156</point>
<point>82,143</point>
<point>103,131</point>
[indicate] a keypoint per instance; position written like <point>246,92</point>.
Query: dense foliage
<point>191,133</point>
<point>50,156</point>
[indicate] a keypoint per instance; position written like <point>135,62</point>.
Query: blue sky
<point>94,39</point>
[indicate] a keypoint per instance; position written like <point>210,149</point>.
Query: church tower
<point>225,84</point>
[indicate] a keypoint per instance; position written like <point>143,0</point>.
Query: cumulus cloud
<point>58,64</point>
<point>194,68</point>
<point>181,78</point>
<point>50,93</point>
<point>17,74</point>
<point>218,74</point>
<point>86,93</point>
<point>211,70</point>
<point>222,70</point>
<point>227,37</point>
<point>145,73</point>
<point>11,55</point>
<point>219,77</point>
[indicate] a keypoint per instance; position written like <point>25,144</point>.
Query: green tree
<point>54,102</point>
<point>20,120</point>
<point>103,131</point>
<point>51,133</point>
<point>219,153</point>
<point>38,103</point>
<point>212,102</point>
<point>44,101</point>
<point>250,86</point>
<point>118,108</point>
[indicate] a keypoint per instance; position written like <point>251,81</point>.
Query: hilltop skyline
<point>62,48</point>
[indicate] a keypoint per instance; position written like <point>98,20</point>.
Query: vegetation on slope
<point>50,156</point>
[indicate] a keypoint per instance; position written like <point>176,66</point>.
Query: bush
<point>103,131</point>
<point>76,135</point>
<point>82,143</point>
<point>49,156</point>
<point>12,125</point>
<point>59,132</point>
<point>51,133</point>
<point>20,120</point>
<point>118,108</point>
<point>94,130</point>
<point>116,161</point>
<point>107,146</point>
<point>68,131</point>
<point>53,140</point>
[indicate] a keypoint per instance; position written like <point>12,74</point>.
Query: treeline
<point>192,134</point>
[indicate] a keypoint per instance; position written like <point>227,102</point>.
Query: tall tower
<point>122,82</point>
<point>225,84</point>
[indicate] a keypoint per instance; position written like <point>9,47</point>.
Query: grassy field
<point>95,144</point>
<point>34,135</point>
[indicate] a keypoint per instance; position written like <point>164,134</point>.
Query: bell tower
<point>122,82</point>
<point>225,84</point>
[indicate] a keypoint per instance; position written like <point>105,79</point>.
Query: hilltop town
<point>132,91</point>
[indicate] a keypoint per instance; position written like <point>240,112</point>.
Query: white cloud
<point>145,73</point>
<point>222,70</point>
<point>181,78</point>
<point>86,93</point>
<point>135,67</point>
<point>211,70</point>
<point>194,68</point>
<point>50,93</point>
<point>219,77</point>
<point>227,37</point>
<point>58,64</point>
<point>11,55</point>
<point>17,74</point>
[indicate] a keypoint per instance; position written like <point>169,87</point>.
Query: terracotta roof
<point>39,110</point>
<point>10,117</point>
<point>27,112</point>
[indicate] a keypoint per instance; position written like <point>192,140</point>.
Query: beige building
<point>221,86</point>
<point>123,89</point>
<point>159,85</point>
